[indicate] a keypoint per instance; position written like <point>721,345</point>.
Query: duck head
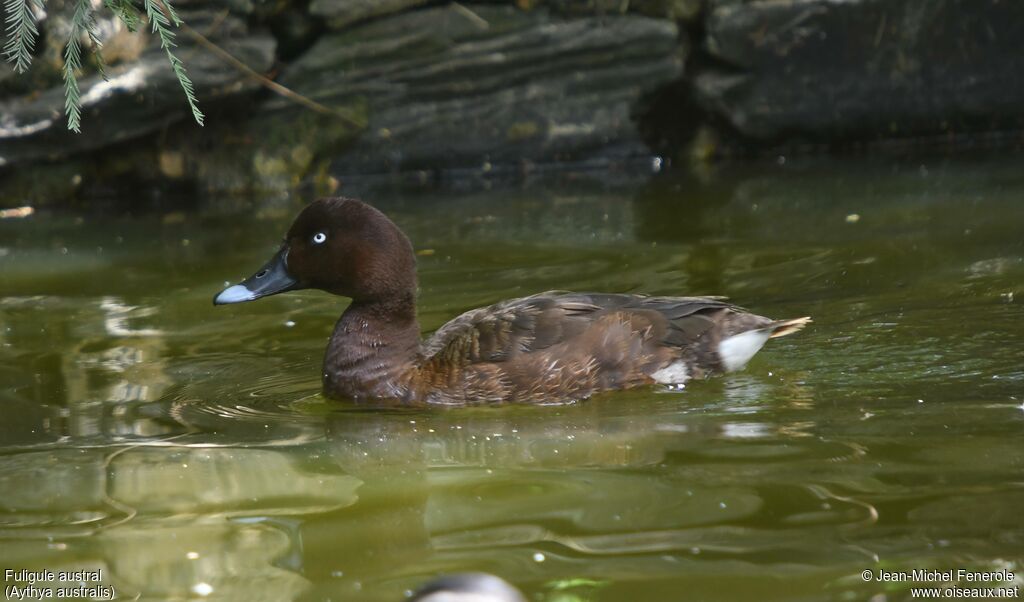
<point>339,245</point>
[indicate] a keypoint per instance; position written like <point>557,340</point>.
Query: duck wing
<point>506,331</point>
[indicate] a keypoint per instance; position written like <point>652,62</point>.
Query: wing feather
<point>508,329</point>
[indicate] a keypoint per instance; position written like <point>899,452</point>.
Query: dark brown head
<point>339,245</point>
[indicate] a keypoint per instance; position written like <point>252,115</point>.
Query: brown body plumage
<point>547,348</point>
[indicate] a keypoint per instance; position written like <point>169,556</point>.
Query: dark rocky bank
<point>386,86</point>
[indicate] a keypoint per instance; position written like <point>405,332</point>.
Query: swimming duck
<point>547,348</point>
<point>468,587</point>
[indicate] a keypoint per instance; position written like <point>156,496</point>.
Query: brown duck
<point>547,348</point>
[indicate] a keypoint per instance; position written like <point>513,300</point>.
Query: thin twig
<point>269,83</point>
<point>481,22</point>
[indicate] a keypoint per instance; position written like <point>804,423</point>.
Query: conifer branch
<point>126,12</point>
<point>21,32</point>
<point>97,46</point>
<point>72,63</point>
<point>160,24</point>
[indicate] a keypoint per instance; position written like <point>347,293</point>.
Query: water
<point>184,450</point>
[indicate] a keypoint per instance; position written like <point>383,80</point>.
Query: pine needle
<point>161,25</point>
<point>21,32</point>
<point>97,46</point>
<point>125,12</point>
<point>72,63</point>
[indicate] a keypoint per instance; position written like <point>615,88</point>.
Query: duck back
<point>557,346</point>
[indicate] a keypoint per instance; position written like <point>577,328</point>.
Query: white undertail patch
<point>737,350</point>
<point>675,373</point>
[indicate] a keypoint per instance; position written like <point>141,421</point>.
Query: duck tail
<point>784,327</point>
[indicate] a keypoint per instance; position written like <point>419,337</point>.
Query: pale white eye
<point>319,238</point>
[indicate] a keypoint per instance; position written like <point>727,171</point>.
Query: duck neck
<point>373,350</point>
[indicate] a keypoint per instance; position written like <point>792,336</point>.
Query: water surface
<point>185,450</point>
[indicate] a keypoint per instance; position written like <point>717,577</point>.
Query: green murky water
<point>184,450</point>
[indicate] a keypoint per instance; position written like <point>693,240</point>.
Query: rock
<point>432,88</point>
<point>342,13</point>
<point>859,69</point>
<point>140,96</point>
<point>262,13</point>
<point>460,86</point>
<point>676,10</point>
<point>282,147</point>
<point>239,7</point>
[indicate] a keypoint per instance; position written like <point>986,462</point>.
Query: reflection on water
<point>187,452</point>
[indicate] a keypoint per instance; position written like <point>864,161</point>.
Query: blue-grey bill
<point>234,294</point>
<point>271,279</point>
